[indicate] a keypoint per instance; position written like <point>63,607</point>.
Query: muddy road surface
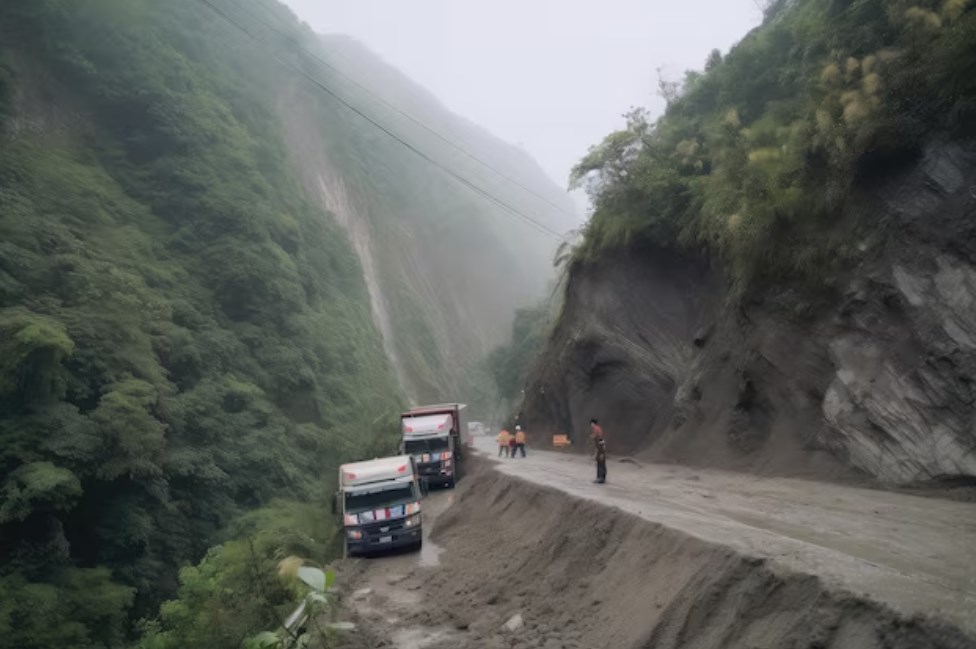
<point>529,553</point>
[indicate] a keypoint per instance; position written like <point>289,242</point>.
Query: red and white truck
<point>379,504</point>
<point>432,436</point>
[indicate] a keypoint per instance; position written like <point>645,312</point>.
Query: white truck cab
<point>379,504</point>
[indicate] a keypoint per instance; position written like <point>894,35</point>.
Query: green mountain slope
<point>213,277</point>
<point>757,158</point>
<point>183,334</point>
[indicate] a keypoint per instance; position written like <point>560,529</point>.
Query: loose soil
<point>664,557</point>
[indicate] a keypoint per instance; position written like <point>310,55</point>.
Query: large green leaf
<point>315,578</point>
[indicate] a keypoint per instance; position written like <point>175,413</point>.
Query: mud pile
<point>583,575</point>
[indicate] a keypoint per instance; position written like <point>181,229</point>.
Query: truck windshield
<point>357,502</point>
<point>429,445</point>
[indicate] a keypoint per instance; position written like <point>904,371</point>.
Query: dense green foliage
<point>756,158</point>
<point>433,243</point>
<point>510,364</point>
<point>239,588</point>
<point>183,336</point>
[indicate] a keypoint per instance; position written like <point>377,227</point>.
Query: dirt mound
<point>583,575</point>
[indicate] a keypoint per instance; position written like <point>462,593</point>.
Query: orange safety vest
<point>503,438</point>
<point>520,437</point>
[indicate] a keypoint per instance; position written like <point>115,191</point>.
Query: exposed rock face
<point>907,417</point>
<point>622,348</point>
<point>879,380</point>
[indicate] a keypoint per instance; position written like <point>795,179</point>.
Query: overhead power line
<point>541,227</point>
<point>440,136</point>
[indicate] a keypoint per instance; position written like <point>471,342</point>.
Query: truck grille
<point>372,531</point>
<point>430,468</point>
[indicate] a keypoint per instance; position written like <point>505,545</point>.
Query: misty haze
<point>503,325</point>
<point>552,77</point>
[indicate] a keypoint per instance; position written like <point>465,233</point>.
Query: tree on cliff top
<point>755,158</point>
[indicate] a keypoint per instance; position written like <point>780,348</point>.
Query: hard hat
<point>518,428</point>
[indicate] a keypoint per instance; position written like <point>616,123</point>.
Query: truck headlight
<point>412,521</point>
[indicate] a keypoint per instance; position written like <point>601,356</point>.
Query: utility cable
<point>541,227</point>
<point>409,117</point>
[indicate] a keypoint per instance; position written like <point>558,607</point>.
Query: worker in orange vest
<point>519,441</point>
<point>503,438</point>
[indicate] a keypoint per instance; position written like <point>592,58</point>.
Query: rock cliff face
<point>872,376</point>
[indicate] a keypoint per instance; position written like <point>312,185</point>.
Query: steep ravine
<point>445,268</point>
<point>871,375</point>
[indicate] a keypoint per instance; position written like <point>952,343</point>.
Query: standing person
<point>599,441</point>
<point>596,431</point>
<point>520,440</point>
<point>512,443</point>
<point>503,438</point>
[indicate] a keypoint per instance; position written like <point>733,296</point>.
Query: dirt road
<point>687,559</point>
<point>915,554</point>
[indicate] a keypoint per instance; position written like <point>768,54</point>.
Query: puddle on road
<point>400,597</point>
<point>430,555</point>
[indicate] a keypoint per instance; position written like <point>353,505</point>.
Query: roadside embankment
<point>582,574</point>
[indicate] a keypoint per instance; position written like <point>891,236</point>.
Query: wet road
<point>918,555</point>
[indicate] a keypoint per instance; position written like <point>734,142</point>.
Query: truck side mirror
<point>335,504</point>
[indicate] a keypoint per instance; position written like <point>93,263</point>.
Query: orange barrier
<point>561,441</point>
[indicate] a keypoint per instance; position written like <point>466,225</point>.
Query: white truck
<point>379,504</point>
<point>477,428</point>
<point>432,436</point>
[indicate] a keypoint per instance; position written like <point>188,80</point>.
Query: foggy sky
<point>554,76</point>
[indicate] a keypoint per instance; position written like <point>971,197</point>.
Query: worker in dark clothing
<point>596,432</point>
<point>601,462</point>
<point>519,441</point>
